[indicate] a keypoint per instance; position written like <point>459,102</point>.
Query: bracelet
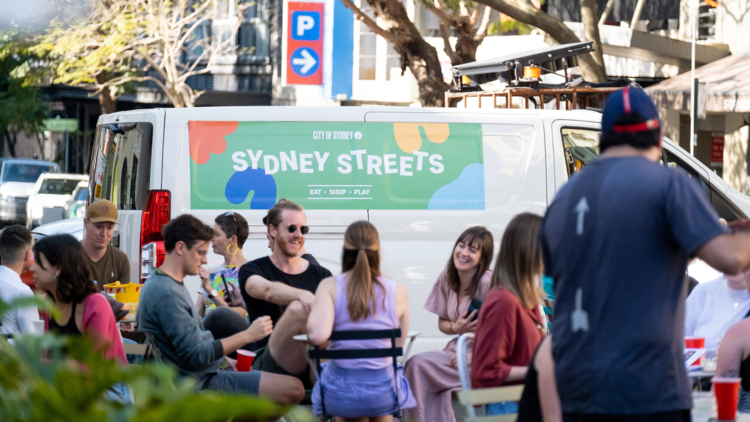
<point>451,328</point>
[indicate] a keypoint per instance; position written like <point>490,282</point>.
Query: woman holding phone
<point>455,299</point>
<point>510,325</point>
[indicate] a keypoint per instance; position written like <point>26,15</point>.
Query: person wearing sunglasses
<point>282,286</point>
<point>271,241</point>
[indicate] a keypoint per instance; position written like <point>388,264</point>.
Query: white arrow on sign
<point>582,208</point>
<point>307,61</point>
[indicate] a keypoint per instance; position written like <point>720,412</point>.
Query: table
<point>741,417</point>
<point>302,338</point>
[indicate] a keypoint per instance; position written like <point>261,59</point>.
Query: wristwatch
<point>213,293</point>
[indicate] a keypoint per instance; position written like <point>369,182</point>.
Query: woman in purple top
<point>433,375</point>
<point>360,299</point>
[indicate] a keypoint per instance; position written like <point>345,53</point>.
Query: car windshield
<point>82,194</point>
<point>25,173</point>
<point>58,186</point>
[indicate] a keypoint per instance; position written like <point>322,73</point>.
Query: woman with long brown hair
<point>466,278</point>
<point>510,325</point>
<point>360,298</point>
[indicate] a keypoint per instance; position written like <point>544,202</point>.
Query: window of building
<point>367,50</point>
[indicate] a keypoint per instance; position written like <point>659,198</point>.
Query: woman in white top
<point>714,306</point>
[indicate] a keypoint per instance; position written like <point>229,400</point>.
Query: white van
<point>420,175</point>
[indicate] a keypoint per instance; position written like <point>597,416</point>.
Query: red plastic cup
<point>727,394</point>
<point>245,360</point>
<point>695,343</point>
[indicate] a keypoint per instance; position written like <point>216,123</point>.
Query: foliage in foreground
<point>70,384</point>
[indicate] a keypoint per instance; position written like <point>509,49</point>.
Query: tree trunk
<point>107,103</point>
<point>12,143</point>
<point>40,141</point>
<point>525,13</point>
<point>420,57</point>
<point>423,62</point>
<point>591,29</point>
<point>466,45</point>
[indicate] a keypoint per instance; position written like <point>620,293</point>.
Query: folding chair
<point>470,398</point>
<point>142,350</point>
<point>394,352</point>
<point>155,353</point>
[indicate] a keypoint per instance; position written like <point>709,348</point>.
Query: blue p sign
<point>305,26</point>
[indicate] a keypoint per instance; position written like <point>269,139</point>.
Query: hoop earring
<point>236,249</point>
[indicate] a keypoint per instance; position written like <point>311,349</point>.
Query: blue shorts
<point>231,382</point>
<point>356,393</point>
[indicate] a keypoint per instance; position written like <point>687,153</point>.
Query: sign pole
<point>694,85</point>
<point>67,148</point>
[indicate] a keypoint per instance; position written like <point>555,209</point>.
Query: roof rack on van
<point>520,75</point>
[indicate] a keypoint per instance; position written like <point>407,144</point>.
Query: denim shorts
<point>231,382</point>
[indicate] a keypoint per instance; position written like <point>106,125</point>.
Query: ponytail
<point>361,260</point>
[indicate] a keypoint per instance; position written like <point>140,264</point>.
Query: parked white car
<point>71,226</point>
<point>51,193</point>
<point>17,180</point>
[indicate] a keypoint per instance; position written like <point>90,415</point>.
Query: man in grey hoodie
<point>166,311</point>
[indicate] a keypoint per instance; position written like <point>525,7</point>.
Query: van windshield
<point>121,165</point>
<point>25,173</point>
<point>82,194</point>
<point>58,186</point>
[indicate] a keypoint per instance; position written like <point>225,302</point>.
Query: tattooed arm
<point>735,347</point>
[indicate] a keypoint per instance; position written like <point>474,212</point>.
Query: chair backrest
<point>392,352</point>
<point>462,361</point>
<point>483,396</point>
<point>136,349</point>
<point>155,352</point>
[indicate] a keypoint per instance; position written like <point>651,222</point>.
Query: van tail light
<point>156,214</point>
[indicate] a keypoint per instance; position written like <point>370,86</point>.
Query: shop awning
<point>727,82</point>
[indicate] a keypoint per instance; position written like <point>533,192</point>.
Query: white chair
<point>470,398</point>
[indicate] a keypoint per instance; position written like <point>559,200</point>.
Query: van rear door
<point>121,172</point>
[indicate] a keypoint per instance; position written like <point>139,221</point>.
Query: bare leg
<point>284,349</point>
<point>283,389</point>
<point>388,418</point>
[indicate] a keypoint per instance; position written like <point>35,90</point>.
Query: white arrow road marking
<point>582,208</point>
<point>307,61</point>
<point>579,317</point>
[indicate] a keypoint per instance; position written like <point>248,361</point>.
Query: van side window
<point>121,165</point>
<point>581,147</point>
<point>724,208</point>
<point>671,161</point>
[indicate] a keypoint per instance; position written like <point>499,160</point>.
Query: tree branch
<point>482,30</point>
<point>525,13</point>
<point>441,14</point>
<point>388,35</point>
<point>447,44</point>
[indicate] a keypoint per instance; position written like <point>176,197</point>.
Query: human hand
<point>307,299</point>
<point>232,363</point>
<point>205,276</point>
<point>454,362</point>
<point>465,324</point>
<point>260,328</point>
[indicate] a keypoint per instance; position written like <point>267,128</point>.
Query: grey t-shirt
<point>166,311</point>
<point>616,241</point>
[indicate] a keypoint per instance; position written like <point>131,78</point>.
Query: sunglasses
<point>303,229</point>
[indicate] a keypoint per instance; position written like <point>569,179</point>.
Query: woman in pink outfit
<point>432,375</point>
<point>59,271</point>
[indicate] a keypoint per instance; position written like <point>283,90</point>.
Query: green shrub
<point>61,378</point>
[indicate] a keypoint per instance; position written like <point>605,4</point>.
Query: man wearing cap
<point>616,241</point>
<point>108,264</point>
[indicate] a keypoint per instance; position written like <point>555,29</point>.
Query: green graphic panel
<point>337,165</point>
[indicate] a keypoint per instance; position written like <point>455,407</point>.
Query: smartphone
<point>474,306</point>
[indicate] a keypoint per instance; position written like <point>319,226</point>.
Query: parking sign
<point>304,43</point>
